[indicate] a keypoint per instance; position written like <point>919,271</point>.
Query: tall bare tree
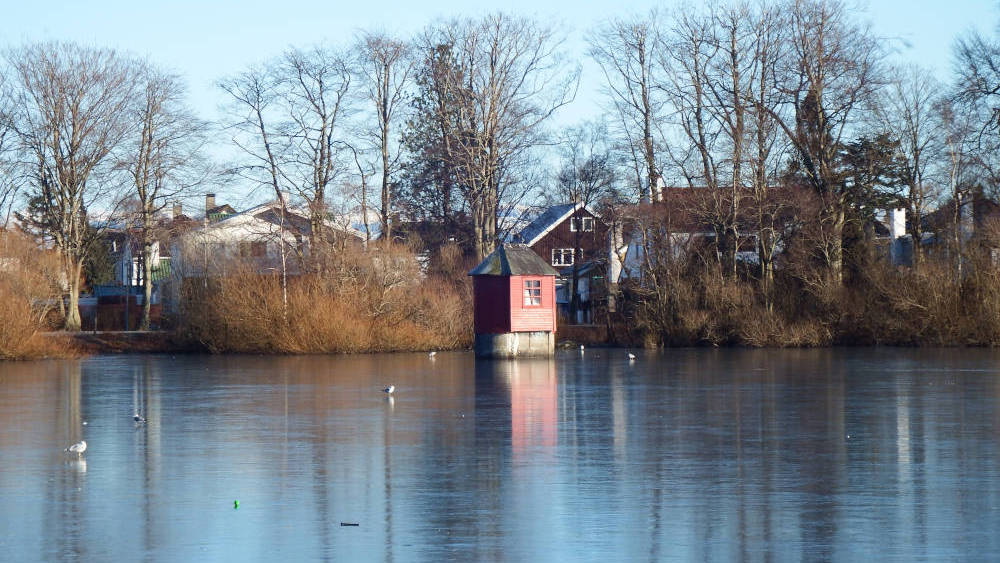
<point>705,91</point>
<point>977,65</point>
<point>587,177</point>
<point>286,119</point>
<point>10,173</point>
<point>626,50</point>
<point>765,146</point>
<point>506,77</point>
<point>910,109</point>
<point>72,111</point>
<point>164,159</point>
<point>387,66</point>
<point>831,70</point>
<point>312,88</point>
<point>254,94</point>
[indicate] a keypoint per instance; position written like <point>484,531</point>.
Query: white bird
<point>431,354</point>
<point>138,418</point>
<point>631,357</point>
<point>77,448</point>
<point>390,389</point>
<point>581,348</point>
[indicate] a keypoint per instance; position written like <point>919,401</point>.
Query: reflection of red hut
<point>514,296</point>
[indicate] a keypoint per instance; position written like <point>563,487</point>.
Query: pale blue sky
<point>206,40</point>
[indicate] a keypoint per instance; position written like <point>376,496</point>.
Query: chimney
<point>209,202</point>
<point>897,223</point>
<point>178,210</point>
<point>897,230</point>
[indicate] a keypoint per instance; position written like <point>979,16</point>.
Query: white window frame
<point>561,254</point>
<point>532,293</point>
<point>587,224</point>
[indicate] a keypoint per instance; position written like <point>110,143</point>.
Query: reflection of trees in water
<point>712,454</point>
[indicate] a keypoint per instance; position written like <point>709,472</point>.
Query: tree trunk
<point>835,254</point>
<point>386,223</point>
<point>73,313</point>
<point>147,282</point>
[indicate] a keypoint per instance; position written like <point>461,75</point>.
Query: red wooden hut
<point>514,298</point>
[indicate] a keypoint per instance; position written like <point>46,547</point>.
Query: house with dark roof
<point>573,239</point>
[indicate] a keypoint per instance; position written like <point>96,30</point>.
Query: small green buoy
<point>236,504</point>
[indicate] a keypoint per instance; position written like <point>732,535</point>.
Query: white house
<point>260,236</point>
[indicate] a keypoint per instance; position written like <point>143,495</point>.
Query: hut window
<point>583,224</point>
<point>562,256</point>
<point>532,293</point>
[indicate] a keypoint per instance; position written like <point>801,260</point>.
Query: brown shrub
<point>28,293</point>
<point>362,302</point>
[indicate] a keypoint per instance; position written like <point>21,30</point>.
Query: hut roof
<point>513,260</point>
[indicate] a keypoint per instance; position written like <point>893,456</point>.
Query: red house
<point>514,299</point>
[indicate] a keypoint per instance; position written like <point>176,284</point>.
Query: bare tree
<point>506,77</point>
<point>959,125</point>
<point>765,148</point>
<point>977,64</point>
<point>831,69</point>
<point>312,87</point>
<point>71,113</point>
<point>586,178</point>
<point>9,171</point>
<point>254,94</point>
<point>708,112</point>
<point>163,159</point>
<point>387,66</point>
<point>626,50</point>
<point>910,110</point>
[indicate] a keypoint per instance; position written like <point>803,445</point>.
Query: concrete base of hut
<point>515,344</point>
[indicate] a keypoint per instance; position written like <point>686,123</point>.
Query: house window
<point>562,256</point>
<point>532,293</point>
<point>583,224</point>
<point>256,249</point>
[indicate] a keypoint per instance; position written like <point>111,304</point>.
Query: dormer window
<point>581,224</point>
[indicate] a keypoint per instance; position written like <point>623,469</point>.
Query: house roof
<point>292,221</point>
<point>546,221</point>
<point>219,212</point>
<point>513,260</point>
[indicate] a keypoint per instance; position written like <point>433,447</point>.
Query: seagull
<point>581,348</point>
<point>631,357</point>
<point>390,389</point>
<point>77,448</point>
<point>138,418</point>
<point>431,354</point>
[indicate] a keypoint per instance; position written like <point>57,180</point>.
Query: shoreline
<point>164,342</point>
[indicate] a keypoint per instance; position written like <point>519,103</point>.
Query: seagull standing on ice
<point>77,448</point>
<point>389,389</point>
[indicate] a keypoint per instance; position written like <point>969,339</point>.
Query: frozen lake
<point>831,455</point>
